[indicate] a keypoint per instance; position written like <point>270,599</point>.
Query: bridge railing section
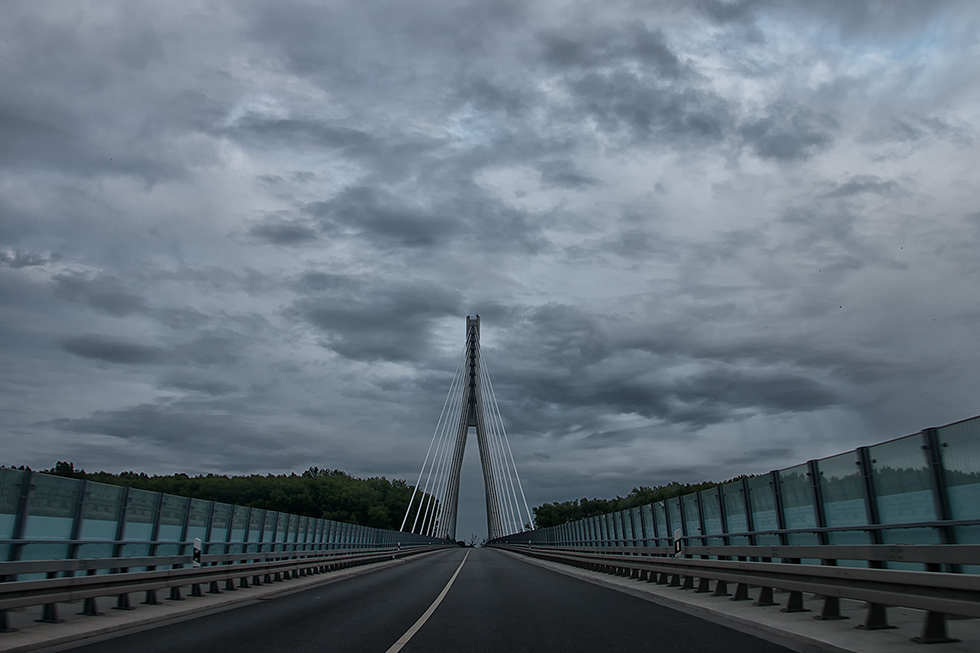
<point>44,517</point>
<point>919,489</point>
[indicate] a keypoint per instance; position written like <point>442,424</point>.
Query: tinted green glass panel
<point>797,494</point>
<point>960,450</point>
<point>646,513</point>
<point>842,487</point>
<point>692,519</point>
<point>711,506</point>
<point>734,507</point>
<point>902,481</point>
<point>103,507</point>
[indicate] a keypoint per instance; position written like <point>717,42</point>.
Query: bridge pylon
<point>471,403</point>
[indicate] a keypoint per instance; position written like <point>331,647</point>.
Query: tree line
<point>327,494</point>
<point>555,514</point>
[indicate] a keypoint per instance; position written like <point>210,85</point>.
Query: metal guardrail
<point>120,582</point>
<point>938,593</point>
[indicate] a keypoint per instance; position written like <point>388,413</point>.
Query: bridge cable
<point>511,452</point>
<point>438,505</point>
<point>507,499</point>
<point>428,451</point>
<point>432,478</point>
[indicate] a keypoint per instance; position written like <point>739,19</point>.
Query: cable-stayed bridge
<point>471,403</point>
<point>885,538</point>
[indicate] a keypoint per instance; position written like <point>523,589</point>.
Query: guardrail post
<point>49,612</point>
<point>940,495</point>
<point>742,593</point>
<point>831,604</point>
<point>934,628</point>
<point>765,596</point>
<point>877,615</point>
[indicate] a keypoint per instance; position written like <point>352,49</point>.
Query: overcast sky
<point>705,238</point>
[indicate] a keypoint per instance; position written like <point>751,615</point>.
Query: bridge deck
<point>498,602</point>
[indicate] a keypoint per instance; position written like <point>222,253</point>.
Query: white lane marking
<point>397,646</point>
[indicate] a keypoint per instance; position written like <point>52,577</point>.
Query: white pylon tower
<point>471,403</point>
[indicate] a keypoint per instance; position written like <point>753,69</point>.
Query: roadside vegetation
<point>327,494</point>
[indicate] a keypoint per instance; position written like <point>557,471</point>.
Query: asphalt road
<point>497,603</point>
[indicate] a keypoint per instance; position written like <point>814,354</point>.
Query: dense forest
<point>553,514</point>
<point>328,494</point>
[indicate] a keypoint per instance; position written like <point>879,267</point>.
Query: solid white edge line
<point>397,646</point>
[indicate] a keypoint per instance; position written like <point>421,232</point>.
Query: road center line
<point>397,646</point>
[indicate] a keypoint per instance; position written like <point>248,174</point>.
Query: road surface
<point>495,603</point>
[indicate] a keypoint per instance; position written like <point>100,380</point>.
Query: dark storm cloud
<point>284,232</point>
<point>103,293</point>
<point>860,184</point>
<point>302,133</point>
<point>389,220</point>
<point>365,321</point>
<point>613,46</point>
<point>227,440</point>
<point>789,132</point>
<point>622,100</point>
<point>696,401</point>
<point>596,372</point>
<point>758,456</point>
<point>109,349</point>
<point>383,218</point>
<point>206,386</point>
<point>563,174</point>
<point>30,137</point>
<point>19,259</point>
<point>911,128</point>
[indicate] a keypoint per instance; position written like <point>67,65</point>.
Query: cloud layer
<point>705,238</point>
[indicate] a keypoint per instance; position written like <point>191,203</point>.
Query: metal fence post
<point>777,494</point>
<point>870,495</point>
<point>27,483</point>
<point>749,521</point>
<point>816,492</point>
<point>699,502</point>
<point>76,522</point>
<point>723,515</point>
<point>940,492</point>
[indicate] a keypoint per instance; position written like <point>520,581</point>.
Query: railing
<point>51,526</point>
<point>919,494</point>
<point>45,517</point>
<point>938,593</point>
<point>919,489</point>
<point>118,577</point>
